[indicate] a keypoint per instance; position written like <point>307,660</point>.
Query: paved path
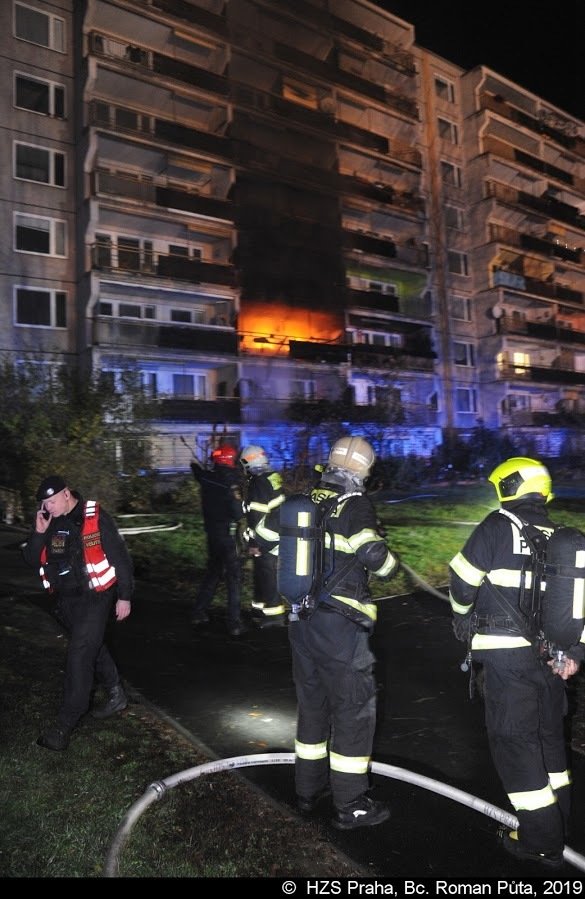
<point>236,697</point>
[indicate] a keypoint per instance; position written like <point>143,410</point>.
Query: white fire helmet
<point>253,459</point>
<point>353,454</point>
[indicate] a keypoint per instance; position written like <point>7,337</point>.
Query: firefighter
<point>332,660</point>
<point>492,591</point>
<point>221,504</point>
<point>263,492</point>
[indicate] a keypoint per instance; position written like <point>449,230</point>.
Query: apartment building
<point>280,215</point>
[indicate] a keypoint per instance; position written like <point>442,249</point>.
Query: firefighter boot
<point>116,702</point>
<point>362,812</point>
<point>515,847</point>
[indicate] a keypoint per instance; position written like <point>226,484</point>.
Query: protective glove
<point>461,625</point>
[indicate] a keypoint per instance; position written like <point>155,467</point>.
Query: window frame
<point>52,156</point>
<point>463,268</point>
<point>471,393</point>
<point>447,91</point>
<point>466,358</point>
<point>448,130</point>
<point>465,303</point>
<point>55,298</point>
<point>53,22</point>
<point>455,179</point>
<point>52,231</point>
<point>53,88</point>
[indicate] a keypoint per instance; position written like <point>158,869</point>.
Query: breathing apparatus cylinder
<point>563,599</point>
<point>297,551</point>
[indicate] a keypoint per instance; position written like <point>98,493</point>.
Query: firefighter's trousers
<point>336,693</point>
<point>524,711</point>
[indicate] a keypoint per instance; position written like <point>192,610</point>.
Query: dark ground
<point>235,697</point>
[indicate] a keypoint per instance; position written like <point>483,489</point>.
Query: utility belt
<point>501,622</point>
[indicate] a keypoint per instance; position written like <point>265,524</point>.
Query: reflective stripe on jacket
<point>486,577</point>
<point>101,575</point>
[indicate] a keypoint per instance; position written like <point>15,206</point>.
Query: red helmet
<point>225,455</point>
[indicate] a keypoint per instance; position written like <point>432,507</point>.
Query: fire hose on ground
<point>158,790</point>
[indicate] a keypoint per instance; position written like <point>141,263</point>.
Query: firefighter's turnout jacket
<point>524,701</point>
<point>332,660</point>
<point>263,493</point>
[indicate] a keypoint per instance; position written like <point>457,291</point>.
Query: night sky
<point>539,44</point>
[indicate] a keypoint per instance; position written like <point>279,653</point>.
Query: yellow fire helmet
<point>519,477</point>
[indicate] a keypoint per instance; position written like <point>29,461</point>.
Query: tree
<point>76,426</point>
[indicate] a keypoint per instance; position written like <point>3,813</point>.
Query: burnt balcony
<point>370,244</point>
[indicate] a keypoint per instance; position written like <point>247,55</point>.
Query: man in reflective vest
<point>332,660</point>
<point>524,692</point>
<point>84,563</point>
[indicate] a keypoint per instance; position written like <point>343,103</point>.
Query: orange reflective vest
<point>101,575</point>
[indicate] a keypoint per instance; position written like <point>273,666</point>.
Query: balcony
<point>333,73</point>
<point>167,197</point>
<point>549,330</point>
<point>539,374</point>
<point>550,207</point>
<point>504,278</point>
<point>561,135</point>
<point>416,355</point>
<point>218,411</point>
<point>182,9</point>
<point>507,151</point>
<point>162,265</point>
<point>107,332</point>
<point>535,243</point>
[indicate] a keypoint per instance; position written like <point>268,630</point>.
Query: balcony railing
<point>516,281</point>
<point>548,330</point>
<point>540,374</point>
<point>548,205</point>
<point>162,265</point>
<point>115,332</point>
<point>543,246</point>
<point>217,411</point>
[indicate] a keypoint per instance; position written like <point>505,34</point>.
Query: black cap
<point>50,486</point>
